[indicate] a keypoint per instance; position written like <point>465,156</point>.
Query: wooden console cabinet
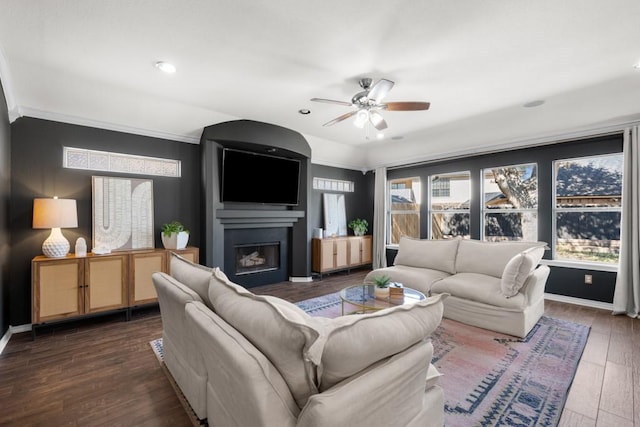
<point>64,288</point>
<point>340,253</point>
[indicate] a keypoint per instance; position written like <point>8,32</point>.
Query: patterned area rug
<point>492,379</point>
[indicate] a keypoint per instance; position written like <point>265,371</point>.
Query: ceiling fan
<point>369,102</point>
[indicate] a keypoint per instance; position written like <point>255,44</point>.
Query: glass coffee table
<point>362,296</point>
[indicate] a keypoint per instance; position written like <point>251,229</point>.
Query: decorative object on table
<point>359,226</point>
<point>174,235</point>
<point>396,293</point>
<point>81,247</point>
<point>55,214</point>
<point>382,287</point>
<point>122,213</point>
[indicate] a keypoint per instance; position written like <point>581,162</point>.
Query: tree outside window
<point>405,196</point>
<point>510,208</point>
<point>449,205</point>
<point>588,200</point>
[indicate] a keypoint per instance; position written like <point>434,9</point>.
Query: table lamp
<point>55,214</point>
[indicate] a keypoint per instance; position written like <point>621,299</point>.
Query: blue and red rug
<point>492,379</point>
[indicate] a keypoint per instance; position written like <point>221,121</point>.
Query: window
<point>405,209</point>
<point>510,208</point>
<point>588,197</point>
<point>450,195</point>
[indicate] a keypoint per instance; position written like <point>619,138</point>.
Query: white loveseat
<point>249,360</point>
<point>492,285</point>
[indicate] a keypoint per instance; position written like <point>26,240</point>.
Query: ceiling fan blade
<point>406,106</point>
<point>341,118</point>
<point>331,101</point>
<point>380,89</point>
<point>377,120</point>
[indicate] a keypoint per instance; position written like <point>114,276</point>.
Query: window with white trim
<point>404,217</point>
<point>510,203</point>
<point>587,208</point>
<point>449,205</point>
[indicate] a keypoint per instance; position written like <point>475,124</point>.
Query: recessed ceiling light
<point>166,67</point>
<point>535,103</point>
<point>304,111</point>
<point>380,135</point>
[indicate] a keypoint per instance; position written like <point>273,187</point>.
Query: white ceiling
<point>477,62</point>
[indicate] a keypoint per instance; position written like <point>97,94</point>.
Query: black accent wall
<point>5,193</point>
<point>358,204</point>
<point>562,280</point>
<point>36,160</point>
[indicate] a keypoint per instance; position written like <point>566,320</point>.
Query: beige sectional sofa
<point>249,360</point>
<point>492,285</point>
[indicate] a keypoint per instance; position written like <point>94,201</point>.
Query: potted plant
<point>382,287</point>
<point>359,226</point>
<point>174,235</point>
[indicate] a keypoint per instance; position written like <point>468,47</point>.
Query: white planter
<point>176,240</point>
<point>381,293</point>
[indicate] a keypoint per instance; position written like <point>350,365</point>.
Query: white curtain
<point>626,297</point>
<point>380,219</point>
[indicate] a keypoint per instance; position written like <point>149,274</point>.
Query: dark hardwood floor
<point>102,371</point>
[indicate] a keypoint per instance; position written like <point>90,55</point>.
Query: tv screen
<point>259,178</point>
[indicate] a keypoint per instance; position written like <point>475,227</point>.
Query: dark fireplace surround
<point>232,230</point>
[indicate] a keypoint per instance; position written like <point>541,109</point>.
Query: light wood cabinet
<point>340,253</point>
<point>64,288</point>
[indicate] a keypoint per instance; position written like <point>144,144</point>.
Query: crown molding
<point>81,121</point>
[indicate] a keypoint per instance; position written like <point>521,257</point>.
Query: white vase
<point>175,240</point>
<point>381,293</point>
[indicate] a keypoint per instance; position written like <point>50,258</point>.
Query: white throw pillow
<point>518,270</point>
<point>353,343</point>
<point>280,330</point>
<point>195,276</point>
<point>424,253</point>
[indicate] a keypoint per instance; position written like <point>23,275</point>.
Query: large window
<point>405,209</point>
<point>510,208</point>
<point>588,197</point>
<point>449,205</point>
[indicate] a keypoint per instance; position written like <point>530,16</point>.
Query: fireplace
<point>257,258</point>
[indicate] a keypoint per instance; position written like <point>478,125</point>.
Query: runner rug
<point>492,379</point>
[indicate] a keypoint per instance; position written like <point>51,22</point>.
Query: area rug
<point>492,379</point>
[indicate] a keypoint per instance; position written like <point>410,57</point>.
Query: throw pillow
<point>424,253</point>
<point>280,330</point>
<point>353,343</point>
<point>194,276</point>
<point>518,270</point>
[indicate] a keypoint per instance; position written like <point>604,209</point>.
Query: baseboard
<point>12,330</point>
<point>300,279</point>
<point>580,301</point>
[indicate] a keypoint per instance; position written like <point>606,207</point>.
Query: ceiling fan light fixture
<point>361,119</point>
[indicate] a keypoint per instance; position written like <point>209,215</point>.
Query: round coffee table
<point>362,297</point>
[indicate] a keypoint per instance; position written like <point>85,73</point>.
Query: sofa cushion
<point>433,254</point>
<point>433,377</point>
<point>280,330</point>
<point>352,343</point>
<point>417,278</point>
<point>479,288</point>
<point>518,269</point>
<point>489,258</point>
<point>195,276</point>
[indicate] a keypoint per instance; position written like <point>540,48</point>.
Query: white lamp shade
<point>55,213</point>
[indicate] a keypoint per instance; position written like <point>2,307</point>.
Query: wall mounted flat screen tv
<point>249,177</point>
